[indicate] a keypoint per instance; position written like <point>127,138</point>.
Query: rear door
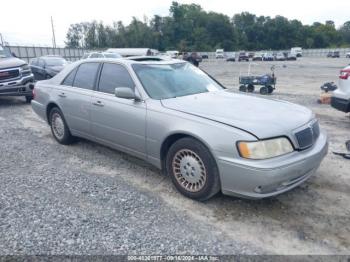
<point>74,96</point>
<point>118,122</point>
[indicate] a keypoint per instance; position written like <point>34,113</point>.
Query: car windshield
<point>112,55</point>
<point>55,61</point>
<point>4,53</point>
<point>174,80</point>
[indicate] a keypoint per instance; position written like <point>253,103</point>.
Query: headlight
<point>265,149</point>
<point>25,67</point>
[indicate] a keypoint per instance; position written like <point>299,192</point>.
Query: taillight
<point>344,74</point>
<point>33,93</point>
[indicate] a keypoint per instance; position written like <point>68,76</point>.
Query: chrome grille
<point>6,75</point>
<point>308,136</point>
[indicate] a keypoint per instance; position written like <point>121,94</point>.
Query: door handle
<point>62,95</point>
<point>98,103</point>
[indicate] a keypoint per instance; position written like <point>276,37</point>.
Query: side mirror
<point>127,93</point>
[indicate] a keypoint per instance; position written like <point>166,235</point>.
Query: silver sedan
<point>176,117</point>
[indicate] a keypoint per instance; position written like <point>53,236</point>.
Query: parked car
<point>45,67</point>
<point>219,54</point>
<point>336,54</point>
<point>341,96</point>
<point>251,54</point>
<point>231,57</point>
<point>257,57</point>
<point>243,56</point>
<point>268,57</point>
<point>16,78</point>
<point>176,117</point>
<point>280,57</point>
<point>205,56</point>
<point>194,58</point>
<point>291,56</point>
<point>347,55</point>
<point>333,54</point>
<point>101,55</point>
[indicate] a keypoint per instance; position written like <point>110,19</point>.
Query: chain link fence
<point>72,54</point>
<point>28,52</point>
<point>306,52</point>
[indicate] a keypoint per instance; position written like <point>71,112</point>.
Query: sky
<point>26,22</point>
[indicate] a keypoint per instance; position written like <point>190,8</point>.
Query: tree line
<point>188,27</point>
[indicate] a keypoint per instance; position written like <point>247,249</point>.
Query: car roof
<point>137,60</point>
<point>51,56</point>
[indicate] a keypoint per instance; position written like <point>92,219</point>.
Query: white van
<point>341,96</point>
<point>219,53</point>
<point>297,51</point>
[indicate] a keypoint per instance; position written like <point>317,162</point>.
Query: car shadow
<point>7,101</point>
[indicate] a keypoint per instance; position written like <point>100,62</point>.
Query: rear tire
<point>264,90</point>
<point>59,127</point>
<point>193,169</point>
<point>270,89</point>
<point>243,88</point>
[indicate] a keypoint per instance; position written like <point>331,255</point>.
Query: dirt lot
<point>88,199</point>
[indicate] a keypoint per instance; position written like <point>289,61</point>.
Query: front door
<point>118,122</point>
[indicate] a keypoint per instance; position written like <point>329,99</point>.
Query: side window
<point>112,76</point>
<point>86,75</point>
<point>41,63</point>
<point>68,81</point>
<point>34,62</point>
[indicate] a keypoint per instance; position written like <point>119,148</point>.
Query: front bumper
<point>340,104</point>
<point>18,87</point>
<point>265,178</point>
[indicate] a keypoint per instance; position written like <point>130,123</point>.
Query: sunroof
<point>140,59</point>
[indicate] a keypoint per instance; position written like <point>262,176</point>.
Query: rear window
<point>68,81</point>
<point>86,75</point>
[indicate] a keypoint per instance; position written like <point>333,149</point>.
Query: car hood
<point>10,62</point>
<point>261,117</point>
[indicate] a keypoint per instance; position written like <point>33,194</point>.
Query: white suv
<point>101,55</point>
<point>341,97</point>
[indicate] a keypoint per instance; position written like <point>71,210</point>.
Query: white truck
<point>219,54</point>
<point>297,51</point>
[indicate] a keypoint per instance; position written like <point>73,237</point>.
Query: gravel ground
<point>89,199</point>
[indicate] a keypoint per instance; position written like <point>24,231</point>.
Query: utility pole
<point>1,39</point>
<point>53,34</point>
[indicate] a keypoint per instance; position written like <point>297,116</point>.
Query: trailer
<point>267,82</point>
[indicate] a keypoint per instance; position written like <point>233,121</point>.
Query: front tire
<point>59,127</point>
<point>193,169</point>
<point>243,88</point>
